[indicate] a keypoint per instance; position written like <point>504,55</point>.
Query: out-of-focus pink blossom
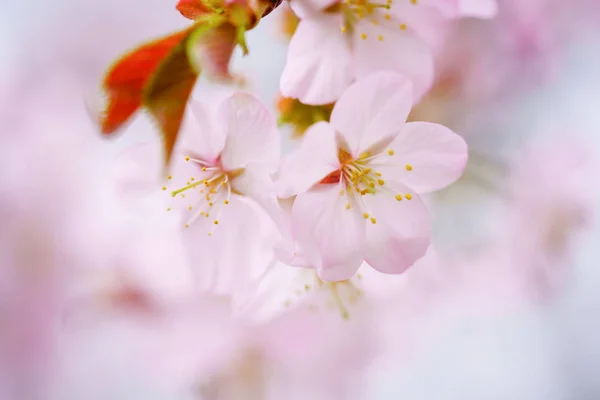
<point>357,181</point>
<point>204,350</point>
<point>337,42</point>
<point>64,230</point>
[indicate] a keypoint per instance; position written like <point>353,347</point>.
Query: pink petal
<point>256,184</point>
<point>371,110</point>
<point>401,234</point>
<point>239,235</point>
<point>252,135</point>
<point>449,8</point>
<point>202,137</point>
<point>427,22</point>
<point>308,8</point>
<point>330,235</point>
<point>435,155</point>
<point>479,8</point>
<point>312,161</point>
<point>399,51</point>
<point>318,65</point>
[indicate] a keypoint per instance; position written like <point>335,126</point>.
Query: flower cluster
<point>224,260</point>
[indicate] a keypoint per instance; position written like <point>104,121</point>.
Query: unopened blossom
<point>358,180</point>
<point>219,188</point>
<point>337,42</point>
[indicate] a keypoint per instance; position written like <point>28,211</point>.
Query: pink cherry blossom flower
<point>337,42</point>
<point>219,187</point>
<point>357,180</point>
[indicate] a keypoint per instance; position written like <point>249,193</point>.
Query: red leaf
<point>126,80</point>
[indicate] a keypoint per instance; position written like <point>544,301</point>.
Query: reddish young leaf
<point>166,96</point>
<point>126,80</point>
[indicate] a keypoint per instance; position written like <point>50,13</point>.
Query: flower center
<point>357,179</point>
<point>207,192</point>
<point>356,10</point>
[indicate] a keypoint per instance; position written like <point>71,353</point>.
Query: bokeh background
<point>525,104</point>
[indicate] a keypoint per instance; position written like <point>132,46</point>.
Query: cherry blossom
<point>358,179</point>
<point>337,42</point>
<point>219,188</point>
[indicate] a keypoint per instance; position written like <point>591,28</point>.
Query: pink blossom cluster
<point>255,267</point>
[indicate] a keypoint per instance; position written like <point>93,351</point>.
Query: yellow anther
<point>207,215</point>
<point>201,213</point>
<point>216,222</point>
<point>366,215</point>
<point>188,183</point>
<point>375,22</point>
<point>363,36</point>
<point>223,183</point>
<point>307,287</point>
<point>390,152</point>
<point>226,202</point>
<point>190,207</point>
<point>182,195</point>
<point>413,1</point>
<point>210,203</point>
<point>209,233</point>
<point>192,179</point>
<point>403,27</point>
<point>373,220</point>
<point>371,185</point>
<point>387,16</point>
<point>187,158</point>
<point>206,182</point>
<point>169,209</point>
<point>164,188</point>
<point>169,177</point>
<point>399,197</point>
<point>380,37</point>
<point>378,173</point>
<point>408,196</point>
<point>203,168</point>
<point>348,206</point>
<point>187,225</point>
<point>408,167</point>
<point>367,170</point>
<point>343,28</point>
<point>381,182</point>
